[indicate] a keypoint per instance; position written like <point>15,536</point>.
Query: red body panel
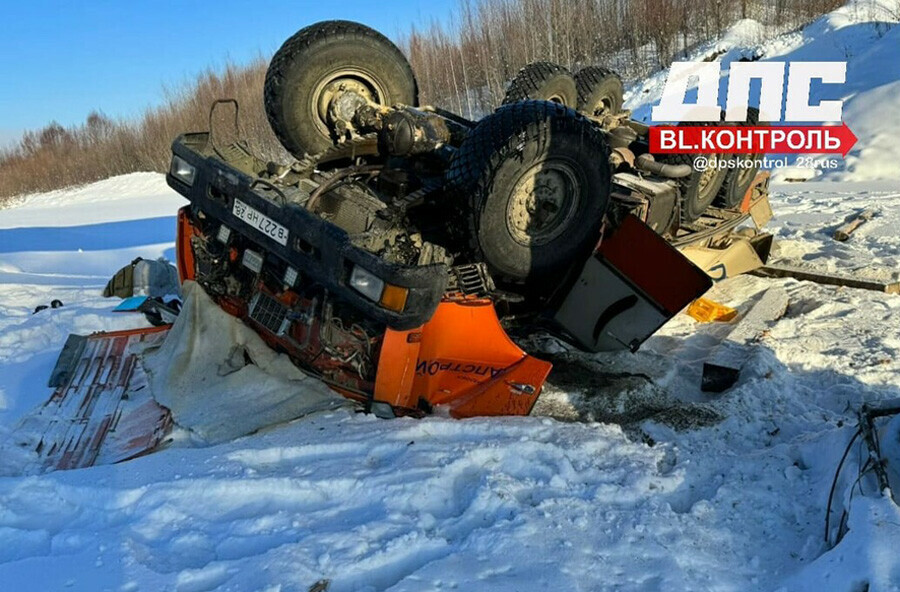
<point>650,262</point>
<point>103,412</point>
<point>461,358</point>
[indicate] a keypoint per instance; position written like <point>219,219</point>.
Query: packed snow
<point>627,477</point>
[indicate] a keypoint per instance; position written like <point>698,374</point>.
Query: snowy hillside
<point>627,477</point>
<point>862,33</point>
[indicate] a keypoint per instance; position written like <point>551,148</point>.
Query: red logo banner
<point>759,139</point>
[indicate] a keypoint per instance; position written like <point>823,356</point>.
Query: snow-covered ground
<point>724,492</point>
<point>628,477</point>
<point>691,492</point>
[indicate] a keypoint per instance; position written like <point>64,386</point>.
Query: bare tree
<point>464,65</point>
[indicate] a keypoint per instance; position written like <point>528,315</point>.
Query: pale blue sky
<point>59,60</point>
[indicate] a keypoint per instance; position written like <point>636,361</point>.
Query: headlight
<point>373,287</point>
<point>182,170</point>
<point>366,283</point>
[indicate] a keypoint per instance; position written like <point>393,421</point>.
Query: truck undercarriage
<point>393,255</point>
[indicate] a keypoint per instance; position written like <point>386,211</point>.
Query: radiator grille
<point>472,279</point>
<point>269,313</point>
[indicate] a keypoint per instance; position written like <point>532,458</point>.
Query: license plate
<point>263,224</point>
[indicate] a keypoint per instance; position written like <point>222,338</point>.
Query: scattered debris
<point>53,304</point>
<point>144,277</point>
<point>843,232</point>
<point>722,368</point>
<point>159,311</point>
<point>827,278</point>
<point>101,411</point>
<point>705,310</point>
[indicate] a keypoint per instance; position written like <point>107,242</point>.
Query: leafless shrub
<point>101,147</point>
<point>466,64</point>
<point>463,65</point>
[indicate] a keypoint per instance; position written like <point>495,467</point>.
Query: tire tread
<point>301,41</point>
<point>529,80</point>
<point>587,79</point>
<point>491,143</point>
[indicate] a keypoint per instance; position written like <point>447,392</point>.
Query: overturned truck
<point>394,257</point>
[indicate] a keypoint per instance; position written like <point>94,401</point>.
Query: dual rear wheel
<point>592,91</point>
<point>596,92</point>
<point>721,183</point>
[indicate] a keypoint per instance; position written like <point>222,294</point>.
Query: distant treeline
<point>463,65</point>
<point>466,64</point>
<point>101,147</point>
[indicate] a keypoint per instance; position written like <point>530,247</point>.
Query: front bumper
<point>319,250</point>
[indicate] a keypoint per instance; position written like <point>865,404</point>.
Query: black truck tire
<point>543,81</point>
<point>533,182</point>
<point>600,91</point>
<point>738,180</point>
<point>320,58</point>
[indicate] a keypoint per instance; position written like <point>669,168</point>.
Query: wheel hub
<point>603,106</point>
<point>338,96</point>
<point>543,203</point>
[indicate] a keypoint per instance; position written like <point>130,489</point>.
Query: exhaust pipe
<point>647,163</point>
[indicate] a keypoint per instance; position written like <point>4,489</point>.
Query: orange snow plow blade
<point>461,358</point>
<point>101,411</point>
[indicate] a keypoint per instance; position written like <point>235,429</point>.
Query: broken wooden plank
<point>723,367</point>
<point>827,278</point>
<point>843,232</point>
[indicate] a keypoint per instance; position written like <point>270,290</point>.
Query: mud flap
<point>101,411</point>
<point>634,282</point>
